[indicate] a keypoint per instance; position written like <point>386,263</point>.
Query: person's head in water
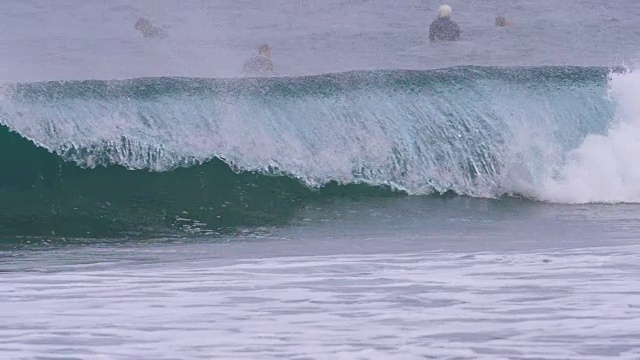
<point>502,21</point>
<point>265,51</point>
<point>443,28</point>
<point>444,11</point>
<point>142,24</point>
<point>261,64</point>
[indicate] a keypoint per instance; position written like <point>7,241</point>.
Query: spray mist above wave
<point>474,131</point>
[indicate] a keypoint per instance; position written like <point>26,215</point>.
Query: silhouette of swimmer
<point>502,21</point>
<point>260,64</point>
<point>443,28</point>
<point>149,30</point>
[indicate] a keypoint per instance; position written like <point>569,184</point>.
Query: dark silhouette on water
<point>502,21</point>
<point>443,28</point>
<point>149,30</point>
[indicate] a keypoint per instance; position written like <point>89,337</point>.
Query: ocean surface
<point>379,197</point>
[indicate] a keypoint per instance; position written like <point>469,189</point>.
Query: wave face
<point>82,157</point>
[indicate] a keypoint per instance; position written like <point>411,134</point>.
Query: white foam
<point>554,304</point>
<point>605,168</point>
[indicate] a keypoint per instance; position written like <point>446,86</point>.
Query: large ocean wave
<point>121,156</point>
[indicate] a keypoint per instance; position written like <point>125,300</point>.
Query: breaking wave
<point>80,157</point>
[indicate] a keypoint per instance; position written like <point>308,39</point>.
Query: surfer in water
<point>260,64</point>
<point>149,30</point>
<point>443,28</point>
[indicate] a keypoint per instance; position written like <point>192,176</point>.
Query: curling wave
<point>130,153</point>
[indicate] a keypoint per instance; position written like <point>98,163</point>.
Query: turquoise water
<point>381,197</point>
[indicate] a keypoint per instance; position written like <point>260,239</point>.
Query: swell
<point>104,158</point>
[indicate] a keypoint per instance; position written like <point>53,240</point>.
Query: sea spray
<point>605,168</point>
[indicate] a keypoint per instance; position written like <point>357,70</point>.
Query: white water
<point>555,304</point>
<point>605,168</point>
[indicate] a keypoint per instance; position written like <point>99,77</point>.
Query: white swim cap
<point>445,11</point>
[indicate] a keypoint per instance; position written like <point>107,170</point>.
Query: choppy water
<point>382,197</point>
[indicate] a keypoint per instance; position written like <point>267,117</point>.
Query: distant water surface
<point>94,39</point>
